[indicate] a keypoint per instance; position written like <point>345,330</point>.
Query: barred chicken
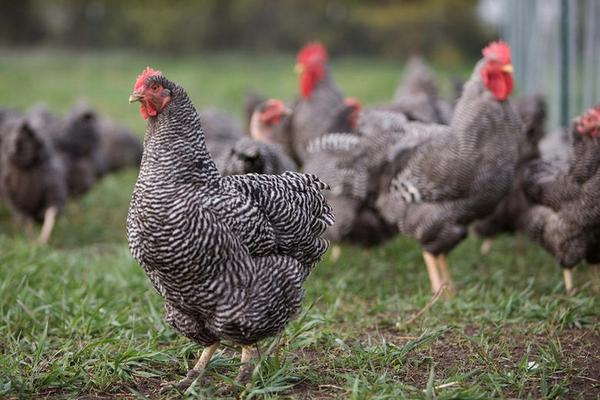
<point>417,95</point>
<point>260,153</point>
<point>458,173</point>
<point>320,104</point>
<point>32,177</point>
<point>565,219</point>
<point>508,215</point>
<point>228,254</point>
<point>352,164</point>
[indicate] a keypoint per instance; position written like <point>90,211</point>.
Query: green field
<point>78,318</point>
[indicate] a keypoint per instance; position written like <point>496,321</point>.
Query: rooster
<point>320,104</point>
<point>508,216</point>
<point>565,218</point>
<point>228,254</point>
<point>260,153</point>
<point>458,173</point>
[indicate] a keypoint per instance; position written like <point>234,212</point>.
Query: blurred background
<point>556,43</point>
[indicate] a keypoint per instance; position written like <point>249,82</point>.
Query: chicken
<point>222,131</point>
<point>252,100</point>
<point>228,254</point>
<point>320,102</point>
<point>507,217</point>
<point>565,219</point>
<point>119,147</point>
<point>352,164</point>
<point>417,95</point>
<point>260,153</point>
<point>456,174</point>
<point>77,139</point>
<point>32,178</point>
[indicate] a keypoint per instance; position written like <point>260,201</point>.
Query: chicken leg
<point>432,271</point>
<point>336,251</point>
<point>249,354</point>
<point>568,278</point>
<point>49,220</point>
<point>486,246</point>
<point>442,263</point>
<point>195,372</point>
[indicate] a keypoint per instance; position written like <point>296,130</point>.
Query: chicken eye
<point>154,87</point>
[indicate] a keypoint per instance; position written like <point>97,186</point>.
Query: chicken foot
<point>193,373</point>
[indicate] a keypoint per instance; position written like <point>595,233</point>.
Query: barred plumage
<point>509,213</point>
<point>228,254</point>
<point>445,177</point>
<point>565,217</point>
<point>454,178</point>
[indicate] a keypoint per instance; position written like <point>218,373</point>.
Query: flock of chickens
<point>46,159</point>
<point>227,229</point>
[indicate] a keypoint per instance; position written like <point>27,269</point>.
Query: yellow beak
<point>135,97</point>
<point>298,68</point>
<point>508,68</point>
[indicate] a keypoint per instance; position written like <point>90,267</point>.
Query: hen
<point>120,147</point>
<point>32,179</point>
<point>260,153</point>
<point>77,140</point>
<point>456,174</point>
<point>566,217</point>
<point>228,254</point>
<point>417,95</point>
<point>352,164</point>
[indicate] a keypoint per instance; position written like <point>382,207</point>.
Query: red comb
<point>589,123</point>
<point>499,50</point>
<point>312,52</point>
<point>148,72</point>
<point>352,102</point>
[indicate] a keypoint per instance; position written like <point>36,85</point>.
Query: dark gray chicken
<point>566,217</point>
<point>260,153</point>
<point>507,218</point>
<point>77,139</point>
<point>32,178</point>
<point>417,95</point>
<point>222,131</point>
<point>459,174</point>
<point>119,147</point>
<point>228,254</point>
<point>252,100</point>
<point>317,110</point>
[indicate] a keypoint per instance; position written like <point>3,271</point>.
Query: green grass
<point>79,318</point>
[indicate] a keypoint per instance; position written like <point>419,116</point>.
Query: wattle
<point>147,110</point>
<point>309,79</point>
<point>500,84</point>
